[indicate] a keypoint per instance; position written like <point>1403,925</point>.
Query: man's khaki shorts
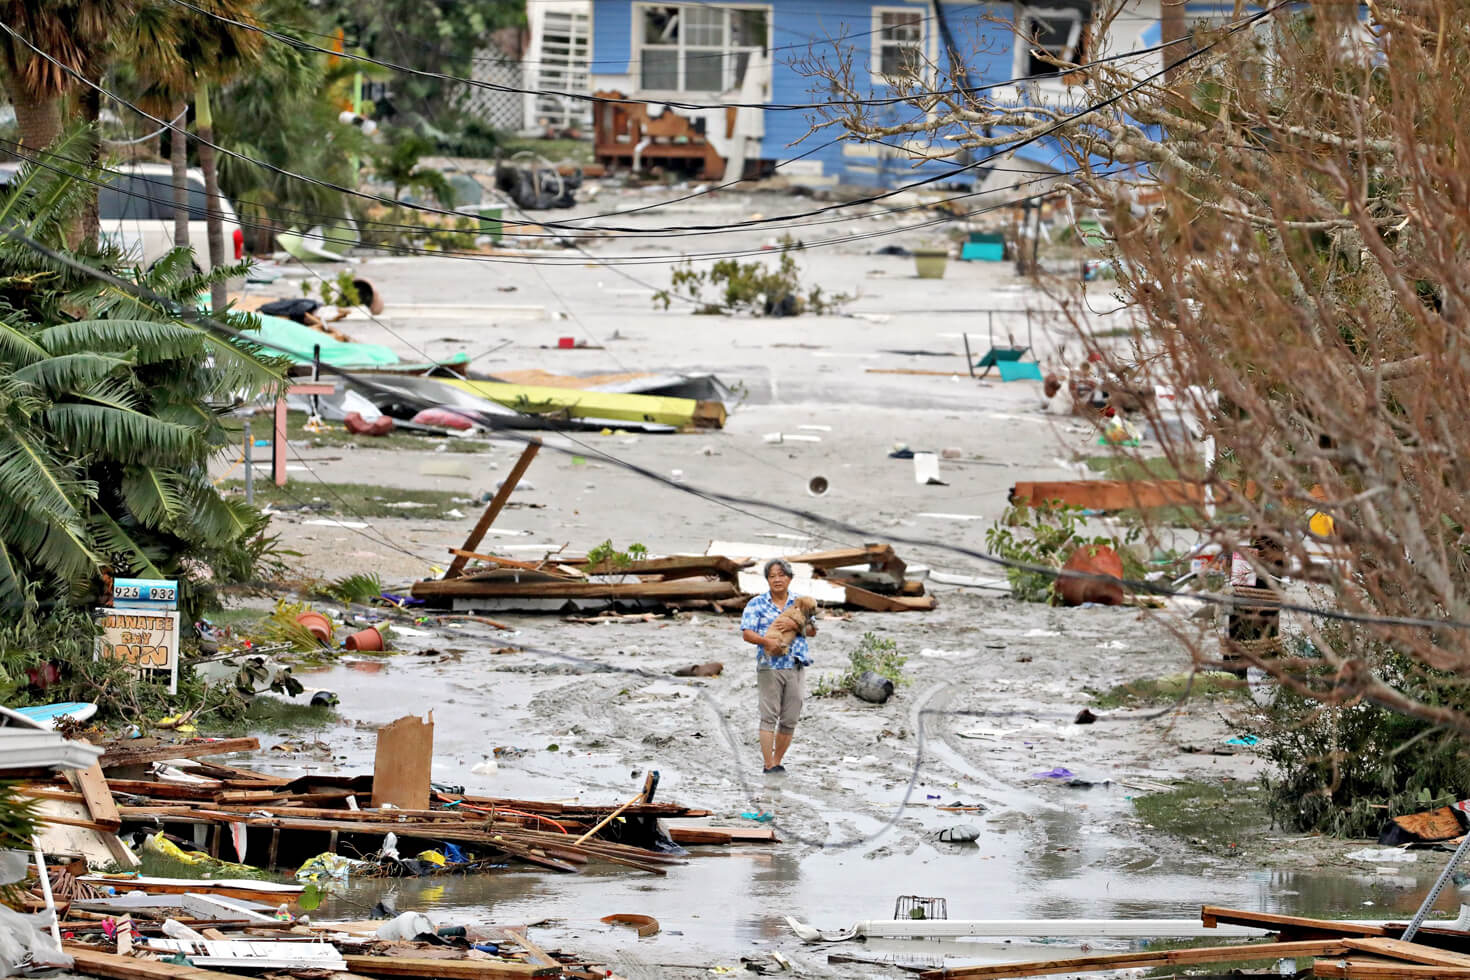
<point>781,694</point>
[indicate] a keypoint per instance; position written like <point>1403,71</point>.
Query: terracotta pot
<point>1093,560</point>
<point>319,625</point>
<point>365,640</point>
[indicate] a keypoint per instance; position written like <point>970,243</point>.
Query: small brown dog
<point>792,623</point>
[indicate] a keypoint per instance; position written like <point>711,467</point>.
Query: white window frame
<point>875,55</point>
<point>726,46</point>
<point>1021,62</point>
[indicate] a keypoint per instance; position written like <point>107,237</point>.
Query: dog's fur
<point>792,623</point>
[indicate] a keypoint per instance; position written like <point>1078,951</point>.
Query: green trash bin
<point>491,218</point>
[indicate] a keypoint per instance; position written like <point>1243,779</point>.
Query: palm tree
<point>74,36</point>
<point>106,418</point>
<point>164,81</point>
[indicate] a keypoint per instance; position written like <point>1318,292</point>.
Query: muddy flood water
<point>591,713</point>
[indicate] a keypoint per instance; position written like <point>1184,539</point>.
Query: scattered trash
<point>873,687</point>
<point>960,834</point>
<point>646,925</point>
<point>712,669</point>
<point>1059,773</point>
<point>1085,717</point>
<point>761,817</point>
<point>1383,855</point>
<point>1243,740</point>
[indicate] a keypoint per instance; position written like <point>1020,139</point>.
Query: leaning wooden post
<point>497,504</point>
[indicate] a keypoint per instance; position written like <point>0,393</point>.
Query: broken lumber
<point>418,966</point>
<point>117,757</point>
<point>491,589</point>
<point>99,964</point>
<point>97,796</point>
<point>1289,926</point>
<point>1110,494</point>
<point>1243,952</point>
<point>496,505</point>
<point>1413,952</point>
<point>875,602</point>
<point>1377,968</point>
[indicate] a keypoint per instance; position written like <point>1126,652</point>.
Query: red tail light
<point>239,237</point>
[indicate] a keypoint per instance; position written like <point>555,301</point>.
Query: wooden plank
<point>1212,914</point>
<point>512,563</point>
<point>218,771</point>
<point>496,505</point>
<point>723,835</point>
<point>1413,952</point>
<point>678,589</point>
<point>98,797</point>
<point>670,567</point>
<point>1244,952</point>
<point>1376,968</point>
<point>203,792</point>
<point>98,964</point>
<point>875,602</point>
<point>417,966</point>
<point>116,757</point>
<point>401,767</point>
<point>1110,494</point>
<point>539,956</point>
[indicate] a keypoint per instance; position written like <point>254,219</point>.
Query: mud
<point>859,811</point>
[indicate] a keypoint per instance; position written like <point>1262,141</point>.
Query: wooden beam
<point>115,757</point>
<point>875,602</point>
<point>1376,968</point>
<point>480,589</point>
<point>509,563</point>
<point>1210,915</point>
<point>1110,494</point>
<point>1245,952</point>
<point>98,964</point>
<point>497,504</point>
<point>98,797</point>
<point>416,966</point>
<point>1413,952</point>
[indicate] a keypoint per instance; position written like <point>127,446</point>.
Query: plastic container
<point>930,262</point>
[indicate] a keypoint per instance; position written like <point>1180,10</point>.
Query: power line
<point>735,501</point>
<point>1035,137</point>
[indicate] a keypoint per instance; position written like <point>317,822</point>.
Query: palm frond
<point>154,495</point>
<point>58,545</point>
<point>19,347</point>
<point>124,552</point>
<point>220,521</point>
<point>154,339</point>
<point>30,477</point>
<point>12,583</point>
<point>70,371</point>
<point>106,424</point>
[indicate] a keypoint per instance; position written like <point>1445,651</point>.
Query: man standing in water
<point>779,678</point>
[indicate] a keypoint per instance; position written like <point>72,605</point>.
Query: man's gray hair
<point>780,563</point>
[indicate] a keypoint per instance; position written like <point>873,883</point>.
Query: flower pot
<point>318,625</point>
<point>930,262</point>
<point>365,640</point>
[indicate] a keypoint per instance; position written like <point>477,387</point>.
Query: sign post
<point>141,627</point>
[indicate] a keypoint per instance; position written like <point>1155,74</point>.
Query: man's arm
<point>751,636</point>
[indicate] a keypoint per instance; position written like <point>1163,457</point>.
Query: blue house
<point>705,56</point>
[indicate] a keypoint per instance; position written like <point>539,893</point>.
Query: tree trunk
<point>38,119</point>
<point>89,226</point>
<point>178,158</point>
<point>214,220</point>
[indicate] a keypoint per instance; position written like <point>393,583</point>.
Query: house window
<point>898,41</point>
<point>1048,33</point>
<point>698,48</point>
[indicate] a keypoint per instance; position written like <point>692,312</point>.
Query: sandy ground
<point>995,686</point>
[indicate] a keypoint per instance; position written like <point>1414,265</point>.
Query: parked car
<point>136,210</point>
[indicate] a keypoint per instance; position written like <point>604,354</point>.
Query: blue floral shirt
<point>759,614</point>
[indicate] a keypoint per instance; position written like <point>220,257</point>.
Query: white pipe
<point>1033,928</point>
<point>638,149</point>
<point>46,893</point>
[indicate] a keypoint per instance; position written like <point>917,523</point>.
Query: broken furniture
<point>627,133</point>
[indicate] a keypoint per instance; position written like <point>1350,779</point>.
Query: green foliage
<point>606,554</point>
<point>19,818</point>
<point>1343,770</point>
<point>876,653</point>
<point>361,588</point>
<point>750,287</point>
<point>1225,818</point>
<point>108,420</point>
<point>1048,537</point>
<point>396,163</point>
<point>445,36</point>
<point>341,291</point>
<point>281,627</point>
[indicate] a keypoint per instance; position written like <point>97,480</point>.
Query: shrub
<point>750,287</point>
<point>1048,537</point>
<point>873,652</point>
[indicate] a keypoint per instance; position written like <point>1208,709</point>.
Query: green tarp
<point>299,340</point>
